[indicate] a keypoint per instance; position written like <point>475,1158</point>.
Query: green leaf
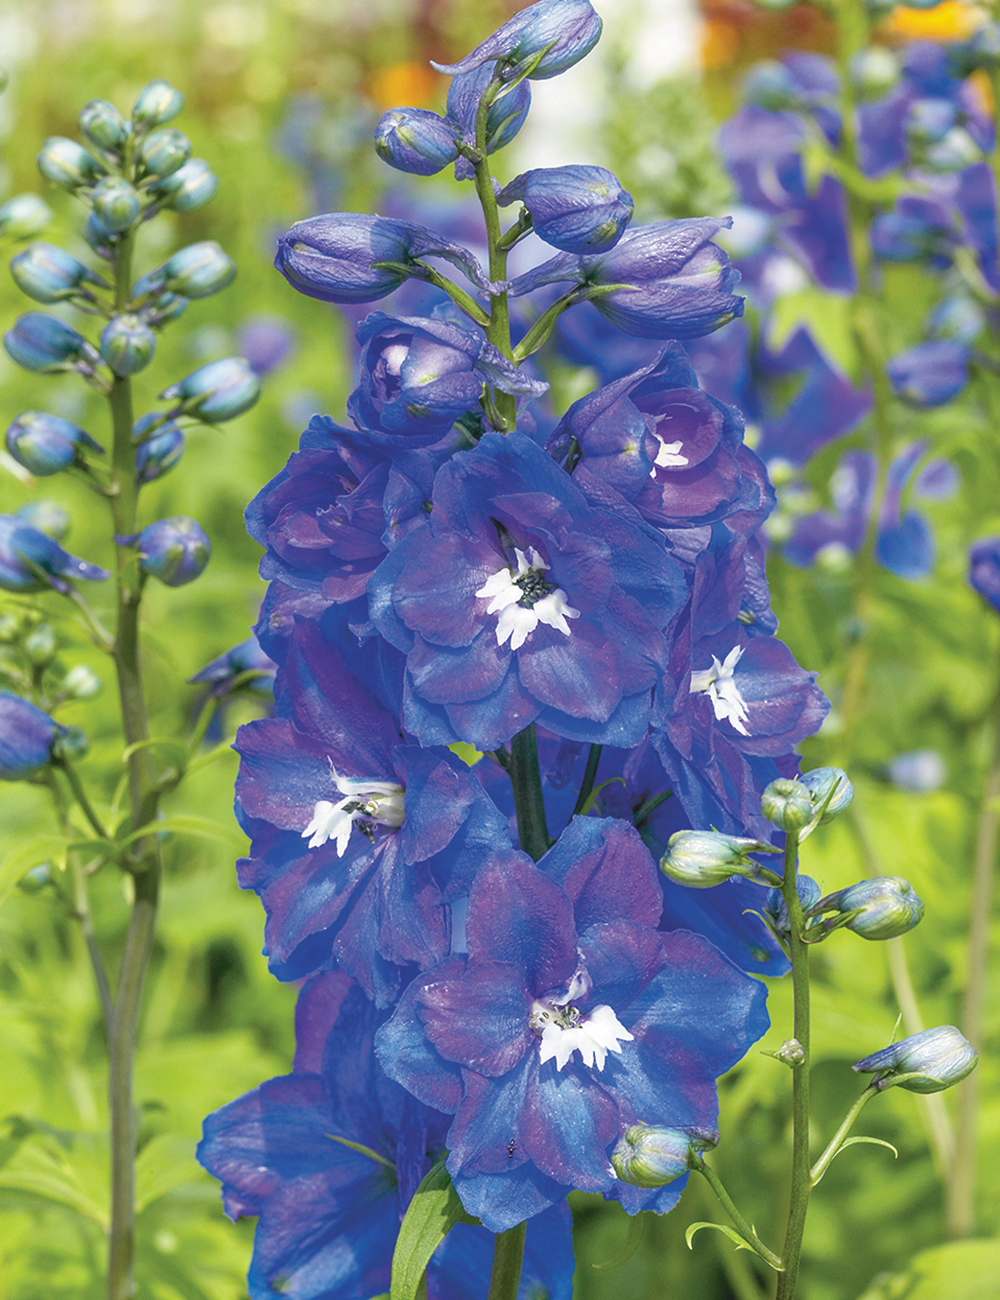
<point>33,852</point>
<point>433,1212</point>
<point>960,1270</point>
<point>164,1163</point>
<point>827,316</point>
<point>183,824</point>
<point>731,1233</point>
<point>76,1178</point>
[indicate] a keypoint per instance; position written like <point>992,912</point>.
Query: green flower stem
<point>962,1174</point>
<point>823,1163</point>
<point>589,777</point>
<point>744,1228</point>
<point>80,795</point>
<point>529,803</point>
<point>144,863</point>
<point>801,1180</point>
<point>507,1254</point>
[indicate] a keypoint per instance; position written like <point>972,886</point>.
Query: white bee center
<point>523,598</point>
<point>719,684</point>
<point>365,801</point>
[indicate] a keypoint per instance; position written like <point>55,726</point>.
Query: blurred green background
<point>281,98</point>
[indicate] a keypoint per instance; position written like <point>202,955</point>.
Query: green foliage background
<point>216,1023</point>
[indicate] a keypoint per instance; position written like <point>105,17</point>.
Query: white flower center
<point>563,1030</point>
<point>524,599</point>
<point>669,456</point>
<point>365,801</point>
<point>393,357</point>
<point>720,686</point>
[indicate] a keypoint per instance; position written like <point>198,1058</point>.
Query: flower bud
<point>927,1062</point>
<point>164,152</point>
<point>874,71</point>
<point>651,1156</point>
<point>189,187</point>
<point>175,550</point>
<point>930,374</point>
<point>40,645</point>
<point>32,561</point>
<point>415,140</point>
<point>102,124</point>
<point>929,120</point>
<point>127,344</point>
<point>982,50</point>
<point>504,118</point>
<point>886,906</point>
<point>45,444</point>
<point>66,163</point>
<point>830,789</point>
<point>26,738</point>
<point>218,391</point>
<point>71,743</point>
<point>116,204</point>
<point>47,517</point>
<point>50,274</point>
<point>163,309</point>
<point>81,683</point>
<point>198,270</point>
<point>787,804</point>
<point>24,216</point>
<point>957,317</point>
<point>775,911</point>
<point>790,1053</point>
<point>243,658</point>
<point>578,209</point>
<point>99,237</point>
<point>769,84</point>
<point>701,859</point>
<point>549,37</point>
<point>157,103</point>
<point>45,343</point>
<point>159,453</point>
<point>955,152</point>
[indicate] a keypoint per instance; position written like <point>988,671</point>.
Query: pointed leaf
<point>731,1233</point>
<point>433,1212</point>
<point>33,852</point>
<point>854,1141</point>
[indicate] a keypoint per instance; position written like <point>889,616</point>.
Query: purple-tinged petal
<point>606,870</point>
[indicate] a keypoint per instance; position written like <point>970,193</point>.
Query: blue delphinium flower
<point>32,561</point>
<point>44,444</point>
<point>26,737</point>
<point>547,38</point>
<point>568,1019</point>
<point>520,599</point>
<point>930,374</point>
<point>984,569</point>
<point>328,1157</point>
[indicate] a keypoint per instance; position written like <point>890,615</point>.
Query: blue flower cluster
<point>514,656</point>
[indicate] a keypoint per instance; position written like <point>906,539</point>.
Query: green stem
<point>80,795</point>
<point>589,777</point>
<point>508,1251</point>
<point>823,1163</point>
<point>529,803</point>
<point>82,912</point>
<point>801,1181</point>
<point>744,1228</point>
<point>962,1174</point>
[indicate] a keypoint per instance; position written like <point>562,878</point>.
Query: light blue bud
<point>700,859</point>
<point>174,550</point>
<point>99,237</point>
<point>40,645</point>
<point>66,163</point>
<point>44,444</point>
<point>127,344</point>
<point>163,309</point>
<point>874,71</point>
<point>787,804</point>
<point>157,103</point>
<point>71,743</point>
<point>164,152</point>
<point>954,153</point>
<point>652,1156</point>
<point>549,36</point>
<point>45,343</point>
<point>50,274</point>
<point>102,124</point>
<point>218,391</point>
<point>957,317</point>
<point>927,1062</point>
<point>415,140</point>
<point>919,770</point>
<point>47,517</point>
<point>24,216</point>
<point>198,270</point>
<point>190,187</point>
<point>579,209</point>
<point>769,84</point>
<point>831,790</point>
<point>929,120</point>
<point>887,906</point>
<point>159,453</point>
<point>776,912</point>
<point>116,204</point>
<point>81,683</point>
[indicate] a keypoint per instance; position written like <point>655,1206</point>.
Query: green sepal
<point>431,1215</point>
<point>740,1242</point>
<point>854,1141</point>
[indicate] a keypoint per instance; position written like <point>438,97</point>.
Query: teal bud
<point>775,910</point>
<point>874,71</point>
<point>163,309</point>
<point>81,683</point>
<point>158,452</point>
<point>127,344</point>
<point>23,216</point>
<point>885,907</point>
<point>103,125</point>
<point>790,1053</point>
<point>48,517</point>
<point>163,152</point>
<point>45,444</point>
<point>701,859</point>
<point>190,187</point>
<point>651,1156</point>
<point>50,274</point>
<point>199,270</point>
<point>787,804</point>
<point>45,344</point>
<point>158,102</point>
<point>40,646</point>
<point>116,204</point>
<point>72,743</point>
<point>216,392</point>
<point>99,237</point>
<point>769,84</point>
<point>174,550</point>
<point>66,163</point>
<point>927,1062</point>
<point>831,790</point>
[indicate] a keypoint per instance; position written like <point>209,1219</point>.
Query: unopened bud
<point>40,645</point>
<point>787,804</point>
<point>157,103</point>
<point>701,859</point>
<point>102,124</point>
<point>218,391</point>
<point>44,343</point>
<point>158,453</point>
<point>927,1062</point>
<point>415,140</point>
<point>198,270</point>
<point>50,274</point>
<point>651,1156</point>
<point>47,517</point>
<point>886,906</point>
<point>72,743</point>
<point>174,550</point>
<point>127,344</point>
<point>790,1053</point>
<point>26,738</point>
<point>23,216</point>
<point>66,163</point>
<point>775,911</point>
<point>116,204</point>
<point>45,444</point>
<point>190,187</point>
<point>164,152</point>
<point>81,683</point>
